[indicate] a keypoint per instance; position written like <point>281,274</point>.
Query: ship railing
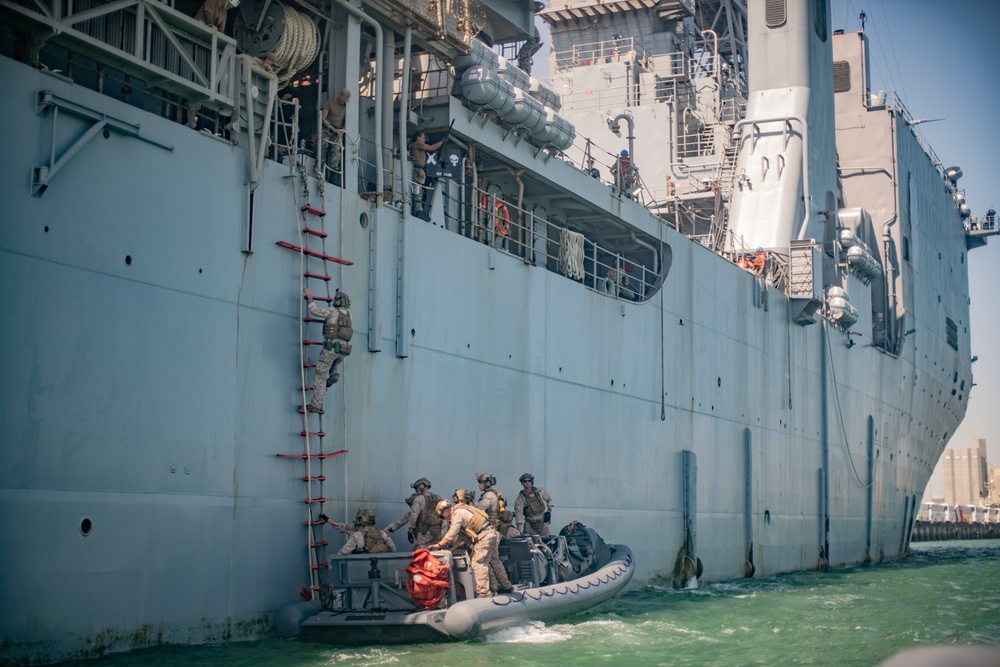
<point>986,223</point>
<point>602,52</point>
<point>889,100</point>
<point>143,38</point>
<point>367,169</point>
<point>493,220</point>
<point>285,130</point>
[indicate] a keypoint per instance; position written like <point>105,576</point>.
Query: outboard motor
<point>585,548</point>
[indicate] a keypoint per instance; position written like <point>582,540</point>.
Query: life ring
<point>501,216</point>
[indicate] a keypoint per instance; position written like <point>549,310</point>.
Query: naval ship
<point>699,278</point>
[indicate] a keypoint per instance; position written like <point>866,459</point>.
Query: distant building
<point>966,476</point>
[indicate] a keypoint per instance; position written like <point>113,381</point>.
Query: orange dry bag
<point>429,579</point>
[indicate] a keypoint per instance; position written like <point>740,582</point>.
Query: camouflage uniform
<point>489,502</point>
<point>485,549</point>
<point>334,348</point>
<point>411,520</point>
<point>334,116</point>
<point>535,523</point>
<point>356,542</point>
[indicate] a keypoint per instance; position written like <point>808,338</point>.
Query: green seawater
<point>942,593</point>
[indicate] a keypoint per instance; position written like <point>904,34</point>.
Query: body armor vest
<point>374,541</point>
<point>341,326</point>
<point>475,525</point>
<point>494,509</point>
<point>428,521</point>
<point>533,502</point>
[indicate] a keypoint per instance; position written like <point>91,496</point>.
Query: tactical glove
<point>324,517</point>
<point>548,517</point>
<point>410,538</point>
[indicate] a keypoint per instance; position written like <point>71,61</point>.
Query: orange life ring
<point>501,216</point>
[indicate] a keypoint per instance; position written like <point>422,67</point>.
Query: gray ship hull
<point>151,374</point>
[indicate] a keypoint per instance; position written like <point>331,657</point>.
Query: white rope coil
<point>297,47</point>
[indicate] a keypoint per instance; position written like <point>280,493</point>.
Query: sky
<point>942,60</point>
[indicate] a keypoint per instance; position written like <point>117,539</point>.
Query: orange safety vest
<point>501,216</point>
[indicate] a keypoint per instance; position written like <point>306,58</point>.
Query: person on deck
<point>334,117</point>
<point>533,507</point>
<point>418,151</point>
<point>990,219</point>
<point>337,332</point>
<point>214,13</point>
<point>423,524</point>
<point>759,262</point>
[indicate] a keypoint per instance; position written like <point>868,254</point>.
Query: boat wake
<point>534,632</point>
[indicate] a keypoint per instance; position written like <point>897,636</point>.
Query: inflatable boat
<point>428,596</point>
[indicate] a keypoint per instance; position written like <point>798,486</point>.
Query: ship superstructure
<point>536,303</point>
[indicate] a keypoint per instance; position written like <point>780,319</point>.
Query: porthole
<point>363,220</point>
<point>85,527</point>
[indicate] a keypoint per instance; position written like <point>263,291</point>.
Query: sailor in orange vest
<point>468,525</point>
<point>759,261</point>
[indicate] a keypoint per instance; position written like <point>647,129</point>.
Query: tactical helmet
<point>364,517</point>
<point>526,477</point>
<point>486,478</point>
<point>462,496</point>
<point>341,300</point>
<point>442,506</point>
<point>423,480</point>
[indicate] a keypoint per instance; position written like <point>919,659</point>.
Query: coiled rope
<point>296,48</point>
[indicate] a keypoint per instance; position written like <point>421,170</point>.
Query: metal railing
<point>144,38</point>
<point>888,99</point>
<point>492,220</point>
<point>604,51</point>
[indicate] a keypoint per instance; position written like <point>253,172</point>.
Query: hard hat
<point>423,480</point>
<point>461,496</point>
<point>526,477</point>
<point>341,300</point>
<point>759,249</point>
<point>442,506</point>
<point>486,478</point>
<point>624,153</point>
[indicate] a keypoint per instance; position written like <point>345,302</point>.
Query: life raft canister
<point>429,579</point>
<point>501,216</point>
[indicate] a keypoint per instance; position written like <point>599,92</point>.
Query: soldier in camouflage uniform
<point>533,507</point>
<point>492,502</point>
<point>423,524</point>
<point>468,525</point>
<point>365,538</point>
<point>337,332</point>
